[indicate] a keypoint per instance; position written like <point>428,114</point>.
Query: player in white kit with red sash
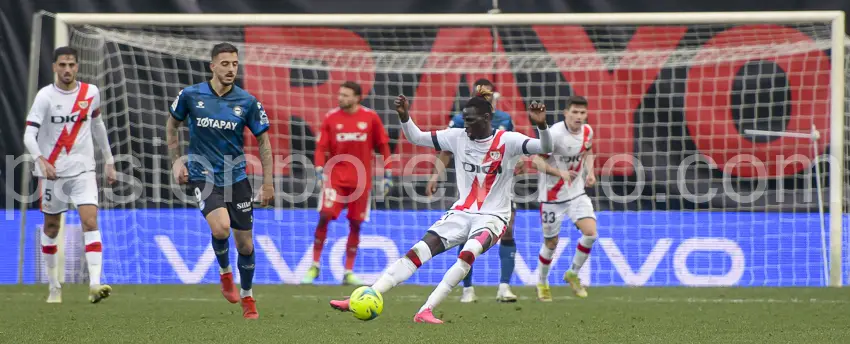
<point>485,176</point>
<point>62,122</point>
<point>564,174</point>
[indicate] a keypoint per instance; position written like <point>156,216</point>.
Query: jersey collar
<point>212,90</point>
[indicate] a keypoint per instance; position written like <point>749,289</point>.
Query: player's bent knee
<point>434,243</point>
<point>419,254</point>
<point>51,228</point>
<point>467,257</point>
<point>551,243</point>
<point>587,226</point>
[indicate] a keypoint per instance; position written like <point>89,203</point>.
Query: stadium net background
<point>670,105</point>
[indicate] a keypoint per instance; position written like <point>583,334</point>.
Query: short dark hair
<point>483,82</point>
<point>576,100</point>
<point>351,85</point>
<point>481,104</point>
<point>223,47</point>
<point>66,50</point>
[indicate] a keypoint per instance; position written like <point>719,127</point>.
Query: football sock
<point>246,270</point>
<point>403,268</point>
<point>319,242</point>
<point>49,249</point>
<point>221,247</point>
<point>471,250</point>
<point>94,255</point>
<point>351,245</point>
<point>545,258</point>
<point>467,281</point>
<point>582,251</point>
<point>507,259</point>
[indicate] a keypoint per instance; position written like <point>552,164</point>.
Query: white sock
<point>455,274</point>
<point>545,258</point>
<point>450,280</point>
<point>94,255</point>
<point>48,250</point>
<point>246,293</point>
<point>582,252</point>
<point>403,268</point>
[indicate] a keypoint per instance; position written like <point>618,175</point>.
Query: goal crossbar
<point>470,19</point>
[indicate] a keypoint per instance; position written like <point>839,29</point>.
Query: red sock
<point>351,245</point>
<point>319,242</point>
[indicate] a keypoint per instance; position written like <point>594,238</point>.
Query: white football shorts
<point>457,227</point>
<point>552,214</point>
<point>58,195</point>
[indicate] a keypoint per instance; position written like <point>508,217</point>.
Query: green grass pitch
<point>300,314</point>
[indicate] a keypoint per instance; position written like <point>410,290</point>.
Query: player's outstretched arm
<point>544,145</point>
<point>411,131</point>
<point>541,165</point>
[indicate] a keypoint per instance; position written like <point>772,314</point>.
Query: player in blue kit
<point>507,248</point>
<point>217,113</point>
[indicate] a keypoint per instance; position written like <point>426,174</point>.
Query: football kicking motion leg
<point>480,241</point>
<point>219,222</point>
<point>587,226</point>
<point>94,252</point>
<point>430,246</point>
<point>48,250</point>
<point>468,290</point>
<point>507,261</point>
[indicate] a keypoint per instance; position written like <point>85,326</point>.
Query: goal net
<point>693,189</point>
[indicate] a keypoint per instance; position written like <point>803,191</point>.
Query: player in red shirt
<point>349,136</point>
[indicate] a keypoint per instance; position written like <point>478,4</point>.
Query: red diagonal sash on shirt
<point>477,192</point>
<point>66,140</point>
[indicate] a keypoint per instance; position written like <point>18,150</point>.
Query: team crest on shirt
<point>83,104</point>
<point>362,125</point>
<point>495,155</point>
<point>338,126</point>
<point>237,110</point>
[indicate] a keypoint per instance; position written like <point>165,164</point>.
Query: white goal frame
<point>837,73</point>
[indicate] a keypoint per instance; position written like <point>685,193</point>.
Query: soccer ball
<point>366,303</point>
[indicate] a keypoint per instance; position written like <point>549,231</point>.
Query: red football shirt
<point>353,134</point>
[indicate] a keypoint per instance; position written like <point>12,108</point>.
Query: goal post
<point>660,222</point>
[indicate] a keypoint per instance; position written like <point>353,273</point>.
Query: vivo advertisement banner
<point>635,248</point>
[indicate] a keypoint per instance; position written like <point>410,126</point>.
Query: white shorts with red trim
<point>457,227</point>
<point>58,195</point>
<point>552,214</point>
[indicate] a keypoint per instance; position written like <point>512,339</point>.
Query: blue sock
<point>507,258</point>
<point>467,281</point>
<point>246,270</point>
<point>222,250</point>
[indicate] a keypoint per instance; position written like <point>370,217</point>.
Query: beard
<point>224,80</point>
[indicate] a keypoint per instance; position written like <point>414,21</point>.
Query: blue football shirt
<point>216,125</point>
<point>501,120</point>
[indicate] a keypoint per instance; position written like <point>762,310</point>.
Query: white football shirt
<point>570,151</point>
<point>63,119</point>
<point>484,169</point>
